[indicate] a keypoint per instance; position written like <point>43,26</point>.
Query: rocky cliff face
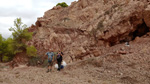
<point>87,27</point>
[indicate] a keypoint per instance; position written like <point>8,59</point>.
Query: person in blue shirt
<point>50,56</point>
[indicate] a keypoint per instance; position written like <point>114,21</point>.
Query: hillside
<point>130,67</point>
<point>88,26</point>
<point>104,42</point>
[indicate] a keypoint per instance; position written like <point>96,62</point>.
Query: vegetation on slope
<point>11,46</point>
<point>63,4</point>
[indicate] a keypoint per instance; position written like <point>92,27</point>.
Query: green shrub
<point>6,49</point>
<point>20,35</point>
<point>33,61</point>
<point>45,63</point>
<point>63,4</point>
<point>5,59</point>
<point>31,51</point>
<point>11,46</point>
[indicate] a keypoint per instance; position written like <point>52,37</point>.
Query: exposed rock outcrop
<point>87,26</point>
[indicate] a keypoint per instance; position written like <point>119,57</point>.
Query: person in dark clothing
<point>59,60</point>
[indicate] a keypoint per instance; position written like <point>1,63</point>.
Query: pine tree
<point>20,35</point>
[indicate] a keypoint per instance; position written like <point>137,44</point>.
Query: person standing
<point>50,56</point>
<point>59,60</point>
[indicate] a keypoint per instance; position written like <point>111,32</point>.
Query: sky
<point>27,10</point>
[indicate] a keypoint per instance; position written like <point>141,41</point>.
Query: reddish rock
<point>122,52</point>
<point>147,15</point>
<point>90,23</point>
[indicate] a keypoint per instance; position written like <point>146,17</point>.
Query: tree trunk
<point>1,58</point>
